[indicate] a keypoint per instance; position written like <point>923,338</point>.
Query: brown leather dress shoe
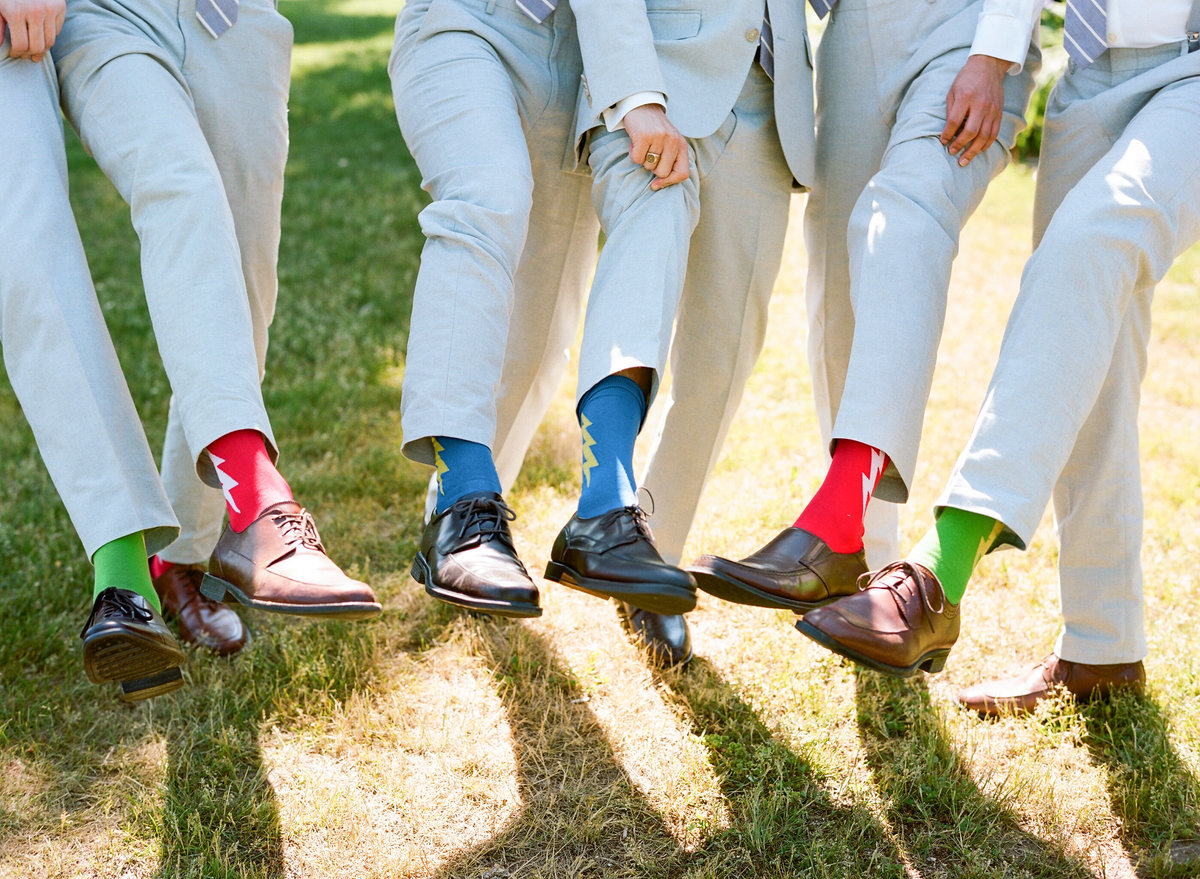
<point>900,622</point>
<point>613,556</point>
<point>125,640</point>
<point>202,621</point>
<point>665,637</point>
<point>278,564</point>
<point>1022,693</point>
<point>796,571</point>
<point>467,558</point>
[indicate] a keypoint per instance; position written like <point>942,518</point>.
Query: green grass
<point>434,744</point>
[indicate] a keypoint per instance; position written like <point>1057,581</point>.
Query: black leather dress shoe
<point>796,571</point>
<point>467,558</point>
<point>664,636</point>
<point>125,640</point>
<point>613,556</point>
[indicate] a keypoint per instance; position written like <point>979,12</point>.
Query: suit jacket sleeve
<point>618,55</point>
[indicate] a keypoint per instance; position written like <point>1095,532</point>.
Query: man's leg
<point>249,141</point>
<point>63,369</point>
<point>475,232</point>
<point>605,548</point>
<point>191,266</point>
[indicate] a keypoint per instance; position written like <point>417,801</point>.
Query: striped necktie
<point>217,16</point>
<point>1084,31</point>
<point>766,46</point>
<point>538,10</point>
<point>766,37</point>
<point>822,7</point>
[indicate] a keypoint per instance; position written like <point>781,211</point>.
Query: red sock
<point>248,478</point>
<point>158,567</point>
<point>835,513</point>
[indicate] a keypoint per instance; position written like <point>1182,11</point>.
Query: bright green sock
<point>123,563</point>
<point>953,547</point>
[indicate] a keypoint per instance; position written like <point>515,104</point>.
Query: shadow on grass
<point>946,825</point>
<point>581,814</point>
<point>784,820</point>
<point>1152,791</point>
<point>314,24</point>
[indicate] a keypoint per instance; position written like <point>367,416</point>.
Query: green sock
<point>123,563</point>
<point>953,547</point>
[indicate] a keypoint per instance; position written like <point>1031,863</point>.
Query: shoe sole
<point>144,667</point>
<point>510,609</point>
<point>654,597</point>
<point>215,588</point>
<point>735,591</point>
<point>930,663</point>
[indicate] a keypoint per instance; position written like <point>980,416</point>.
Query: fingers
<point>982,141</point>
<point>673,167</point>
<point>956,112</point>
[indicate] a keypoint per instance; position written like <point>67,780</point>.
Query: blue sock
<point>463,467</point>
<point>610,415</point>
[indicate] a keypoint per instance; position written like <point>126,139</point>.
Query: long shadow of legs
<point>581,813</point>
<point>220,813</point>
<point>1152,791</point>
<point>946,825</point>
<point>784,822</point>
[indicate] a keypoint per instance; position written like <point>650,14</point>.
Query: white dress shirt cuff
<point>614,116</point>
<point>1005,37</point>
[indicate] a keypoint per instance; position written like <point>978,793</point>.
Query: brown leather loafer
<point>1022,693</point>
<point>796,571</point>
<point>278,564</point>
<point>665,637</point>
<point>125,640</point>
<point>613,556</point>
<point>900,622</point>
<point>202,621</point>
<point>467,558</point>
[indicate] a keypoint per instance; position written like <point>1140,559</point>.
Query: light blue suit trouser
<point>57,350</point>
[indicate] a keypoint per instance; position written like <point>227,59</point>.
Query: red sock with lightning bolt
<point>249,480</point>
<point>835,513</point>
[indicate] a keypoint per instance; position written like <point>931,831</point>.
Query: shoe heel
<point>418,570</point>
<point>213,587</point>
<point>165,681</point>
<point>935,663</point>
<point>558,573</point>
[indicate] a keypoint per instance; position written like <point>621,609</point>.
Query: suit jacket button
<point>752,35</point>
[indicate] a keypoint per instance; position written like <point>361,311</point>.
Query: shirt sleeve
<point>614,116</point>
<point>1005,30</point>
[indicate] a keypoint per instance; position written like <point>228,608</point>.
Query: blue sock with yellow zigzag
<point>463,467</point>
<point>610,416</point>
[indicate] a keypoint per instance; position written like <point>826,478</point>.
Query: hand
<point>651,134</point>
<point>32,25</point>
<point>974,107</point>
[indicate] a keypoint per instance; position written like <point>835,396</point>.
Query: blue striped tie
<point>538,10</point>
<point>217,16</point>
<point>822,7</point>
<point>766,46</point>
<point>1084,31</point>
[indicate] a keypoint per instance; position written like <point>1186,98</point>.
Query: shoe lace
<point>298,529</point>
<point>894,577</point>
<point>636,516</point>
<point>116,601</point>
<point>484,517</point>
<point>194,595</point>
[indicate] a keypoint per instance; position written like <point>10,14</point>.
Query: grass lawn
<point>430,743</point>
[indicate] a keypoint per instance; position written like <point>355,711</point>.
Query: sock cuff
<point>615,386</point>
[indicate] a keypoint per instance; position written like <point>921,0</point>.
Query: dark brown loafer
<point>1051,676</point>
<point>202,621</point>
<point>796,571</point>
<point>665,637</point>
<point>898,624</point>
<point>613,556</point>
<point>278,564</point>
<point>125,640</point>
<point>467,558</point>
